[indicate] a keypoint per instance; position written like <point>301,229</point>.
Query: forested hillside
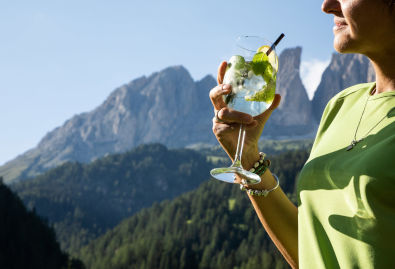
<point>26,241</point>
<point>82,201</point>
<point>211,227</point>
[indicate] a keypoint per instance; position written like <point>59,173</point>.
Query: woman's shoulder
<point>356,89</point>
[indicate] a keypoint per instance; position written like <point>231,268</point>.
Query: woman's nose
<point>330,6</point>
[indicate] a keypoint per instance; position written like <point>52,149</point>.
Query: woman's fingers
<point>221,72</point>
<point>276,102</point>
<point>265,115</point>
<point>232,116</point>
<point>223,128</point>
<point>216,95</point>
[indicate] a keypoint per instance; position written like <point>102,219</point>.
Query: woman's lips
<point>339,24</point>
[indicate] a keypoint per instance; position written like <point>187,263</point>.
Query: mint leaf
<point>259,63</point>
<point>265,95</point>
<point>268,74</point>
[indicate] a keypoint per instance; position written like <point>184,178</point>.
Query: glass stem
<point>239,149</point>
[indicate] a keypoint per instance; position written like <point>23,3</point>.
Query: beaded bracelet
<point>260,192</point>
<point>261,165</point>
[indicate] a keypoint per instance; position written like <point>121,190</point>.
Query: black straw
<point>275,44</point>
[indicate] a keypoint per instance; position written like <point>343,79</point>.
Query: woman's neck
<point>384,67</point>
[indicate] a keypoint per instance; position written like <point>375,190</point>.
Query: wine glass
<point>252,72</point>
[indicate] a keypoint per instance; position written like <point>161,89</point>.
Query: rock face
<point>167,107</point>
<point>293,116</point>
<point>344,71</point>
<point>170,108</point>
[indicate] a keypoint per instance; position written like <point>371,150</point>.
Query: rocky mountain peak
<point>289,61</point>
<point>170,108</point>
<point>343,71</point>
<point>166,107</point>
<point>294,112</point>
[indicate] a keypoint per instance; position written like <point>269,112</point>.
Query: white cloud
<point>311,72</point>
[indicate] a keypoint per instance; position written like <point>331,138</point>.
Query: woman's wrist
<point>267,182</point>
<point>260,191</point>
<point>248,160</point>
<point>260,166</point>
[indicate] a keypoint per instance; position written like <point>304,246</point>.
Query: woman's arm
<point>277,213</point>
<point>279,217</point>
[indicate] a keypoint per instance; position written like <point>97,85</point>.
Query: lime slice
<point>273,59</point>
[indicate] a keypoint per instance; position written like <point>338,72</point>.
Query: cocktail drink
<point>253,82</point>
<point>252,73</point>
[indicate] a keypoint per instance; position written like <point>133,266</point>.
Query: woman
<point>346,210</point>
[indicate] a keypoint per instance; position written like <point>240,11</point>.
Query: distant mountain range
<point>168,107</point>
<point>343,71</point>
<point>293,116</point>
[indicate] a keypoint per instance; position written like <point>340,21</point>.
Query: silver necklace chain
<point>355,140</point>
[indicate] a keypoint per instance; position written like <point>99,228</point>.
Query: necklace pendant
<point>353,143</point>
<point>351,146</point>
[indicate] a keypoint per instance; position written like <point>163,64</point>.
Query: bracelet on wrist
<point>260,192</point>
<point>261,165</point>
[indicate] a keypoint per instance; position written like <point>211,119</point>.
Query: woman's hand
<point>226,129</point>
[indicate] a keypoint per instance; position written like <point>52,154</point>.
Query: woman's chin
<point>343,44</point>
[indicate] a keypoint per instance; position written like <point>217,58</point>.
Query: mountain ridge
<point>119,123</point>
<point>169,107</point>
<point>293,116</point>
<point>344,70</point>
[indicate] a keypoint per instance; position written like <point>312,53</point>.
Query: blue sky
<point>60,58</point>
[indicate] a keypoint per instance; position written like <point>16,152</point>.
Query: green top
<point>346,212</point>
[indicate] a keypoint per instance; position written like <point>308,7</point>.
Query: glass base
<point>235,175</point>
